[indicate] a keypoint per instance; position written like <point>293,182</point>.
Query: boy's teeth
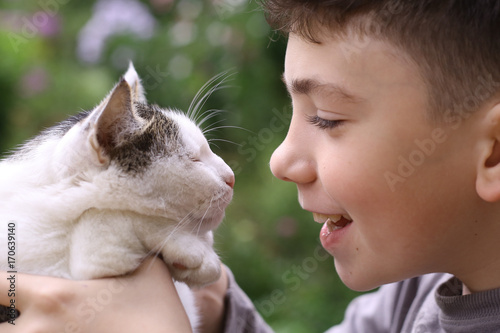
<point>323,218</point>
<point>334,218</point>
<point>331,226</point>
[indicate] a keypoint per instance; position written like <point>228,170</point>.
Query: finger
<point>152,272</point>
<point>153,279</point>
<point>210,300</point>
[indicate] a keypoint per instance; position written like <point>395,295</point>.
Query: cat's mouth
<point>212,216</point>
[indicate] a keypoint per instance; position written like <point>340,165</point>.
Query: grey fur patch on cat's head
<point>158,138</point>
<point>128,132</point>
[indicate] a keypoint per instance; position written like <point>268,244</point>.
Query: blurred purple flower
<point>52,27</point>
<point>34,82</point>
<point>113,17</point>
<point>27,25</point>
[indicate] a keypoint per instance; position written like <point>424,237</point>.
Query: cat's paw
<point>207,272</point>
<point>192,260</point>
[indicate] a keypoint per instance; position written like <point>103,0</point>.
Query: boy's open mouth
<point>333,222</point>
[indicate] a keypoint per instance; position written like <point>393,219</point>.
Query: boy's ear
<point>488,173</point>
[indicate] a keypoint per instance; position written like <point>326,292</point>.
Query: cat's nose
<point>230,181</point>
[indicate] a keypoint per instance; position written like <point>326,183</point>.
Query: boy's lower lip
<point>331,238</point>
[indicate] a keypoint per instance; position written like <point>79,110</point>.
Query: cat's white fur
<point>78,216</point>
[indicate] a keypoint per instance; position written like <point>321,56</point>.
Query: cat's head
<point>140,157</point>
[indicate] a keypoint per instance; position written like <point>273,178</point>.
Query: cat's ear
<point>112,122</point>
<point>134,81</point>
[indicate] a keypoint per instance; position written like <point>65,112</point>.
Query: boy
<point>395,128</point>
<point>394,147</point>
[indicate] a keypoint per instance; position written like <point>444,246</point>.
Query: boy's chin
<point>360,286</point>
<point>359,281</point>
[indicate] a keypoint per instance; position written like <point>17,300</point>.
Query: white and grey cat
<point>94,195</point>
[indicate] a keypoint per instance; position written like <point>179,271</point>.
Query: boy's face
<point>359,144</point>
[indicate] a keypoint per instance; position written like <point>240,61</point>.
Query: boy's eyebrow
<point>312,86</point>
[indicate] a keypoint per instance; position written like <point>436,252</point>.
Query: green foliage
<point>266,239</point>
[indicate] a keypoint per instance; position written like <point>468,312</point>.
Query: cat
<point>94,195</point>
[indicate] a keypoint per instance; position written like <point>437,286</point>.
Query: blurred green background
<point>61,56</point>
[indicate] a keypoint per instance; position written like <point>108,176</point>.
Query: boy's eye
<point>324,123</point>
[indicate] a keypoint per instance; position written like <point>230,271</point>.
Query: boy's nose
<point>290,162</point>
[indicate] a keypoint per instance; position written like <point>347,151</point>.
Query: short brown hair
<point>454,43</point>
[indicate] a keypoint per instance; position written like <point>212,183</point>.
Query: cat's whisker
<point>213,144</point>
<point>209,115</point>
<point>201,114</point>
<point>219,206</point>
<point>209,111</point>
<point>201,94</point>
<point>206,91</point>
<point>202,103</point>
<point>223,140</point>
<point>200,223</point>
<point>230,126</point>
<point>156,250</point>
<point>213,127</point>
<point>215,86</point>
<point>179,225</point>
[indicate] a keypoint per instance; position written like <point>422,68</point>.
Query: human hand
<point>144,301</point>
<point>210,300</point>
